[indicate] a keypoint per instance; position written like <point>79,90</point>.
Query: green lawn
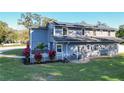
<point>98,69</point>
<point>17,52</point>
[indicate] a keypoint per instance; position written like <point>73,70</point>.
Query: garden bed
<point>43,62</point>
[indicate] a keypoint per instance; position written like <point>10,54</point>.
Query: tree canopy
<point>3,31</point>
<point>46,20</point>
<point>120,32</point>
<point>34,20</point>
<point>23,36</point>
<point>7,34</point>
<point>28,20</point>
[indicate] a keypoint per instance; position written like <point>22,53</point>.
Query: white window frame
<point>61,48</point>
<point>55,31</point>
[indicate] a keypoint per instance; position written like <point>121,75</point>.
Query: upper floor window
<point>57,31</point>
<point>64,31</point>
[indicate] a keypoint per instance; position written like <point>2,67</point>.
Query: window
<point>59,48</point>
<point>58,31</point>
<point>78,32</point>
<point>64,31</point>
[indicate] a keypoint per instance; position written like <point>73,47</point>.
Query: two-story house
<point>75,40</point>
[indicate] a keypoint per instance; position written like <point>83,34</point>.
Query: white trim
<point>61,48</point>
<point>54,31</point>
<point>31,46</point>
<point>66,49</point>
<point>48,46</point>
<point>61,53</point>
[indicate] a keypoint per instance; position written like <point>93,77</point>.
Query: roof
<point>103,27</point>
<point>87,39</point>
<point>77,25</point>
<point>84,24</point>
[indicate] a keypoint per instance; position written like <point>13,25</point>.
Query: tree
<point>12,36</point>
<point>120,32</point>
<point>46,20</point>
<point>3,31</point>
<point>29,20</point>
<point>23,36</point>
<point>101,24</point>
<point>83,22</point>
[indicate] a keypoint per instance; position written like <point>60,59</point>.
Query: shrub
<point>38,56</point>
<point>52,54</point>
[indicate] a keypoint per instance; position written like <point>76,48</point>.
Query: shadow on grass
<point>98,69</point>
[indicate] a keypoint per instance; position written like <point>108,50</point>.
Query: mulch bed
<point>44,62</point>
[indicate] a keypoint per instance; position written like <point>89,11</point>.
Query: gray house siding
<point>39,36</point>
<point>51,42</point>
<point>78,43</point>
<point>82,50</point>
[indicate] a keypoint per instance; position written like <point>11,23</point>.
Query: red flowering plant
<point>26,52</point>
<point>52,54</point>
<point>38,57</point>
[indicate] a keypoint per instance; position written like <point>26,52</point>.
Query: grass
<point>17,52</point>
<point>98,69</point>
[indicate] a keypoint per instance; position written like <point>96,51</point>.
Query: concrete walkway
<point>11,56</point>
<point>3,49</point>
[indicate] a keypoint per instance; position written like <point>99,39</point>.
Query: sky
<point>113,19</point>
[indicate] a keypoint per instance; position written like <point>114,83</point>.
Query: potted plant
<point>52,54</point>
<point>38,57</point>
<point>26,53</point>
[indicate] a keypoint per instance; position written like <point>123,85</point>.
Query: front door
<point>59,50</point>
